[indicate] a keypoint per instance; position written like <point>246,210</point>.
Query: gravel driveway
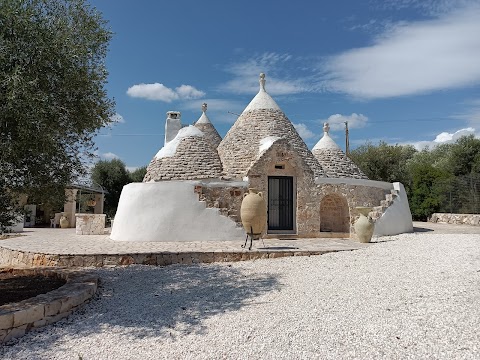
<point>408,296</point>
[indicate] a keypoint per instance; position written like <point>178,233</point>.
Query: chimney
<point>172,125</point>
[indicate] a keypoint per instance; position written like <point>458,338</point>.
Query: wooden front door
<point>280,203</point>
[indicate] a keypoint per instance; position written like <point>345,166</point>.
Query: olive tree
<point>52,92</point>
<point>384,162</point>
<point>112,175</point>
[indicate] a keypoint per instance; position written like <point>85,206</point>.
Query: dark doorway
<point>280,203</point>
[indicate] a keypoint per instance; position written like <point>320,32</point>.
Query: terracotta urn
<point>364,225</point>
<point>253,213</point>
<point>64,222</point>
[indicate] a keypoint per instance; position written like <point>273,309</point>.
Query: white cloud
<point>337,121</point>
<point>117,118</point>
<point>160,92</point>
<point>412,58</point>
<point>188,92</point>
<point>304,131</point>
<point>132,168</point>
<point>109,156</point>
<point>444,138</point>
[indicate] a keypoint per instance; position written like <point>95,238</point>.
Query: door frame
<point>294,206</point>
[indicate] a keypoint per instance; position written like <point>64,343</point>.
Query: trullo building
<point>195,184</point>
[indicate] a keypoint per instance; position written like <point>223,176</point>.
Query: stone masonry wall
<point>334,214</point>
<point>16,319</point>
<point>465,219</point>
<point>281,159</point>
<point>90,224</point>
<point>356,195</point>
<point>228,199</point>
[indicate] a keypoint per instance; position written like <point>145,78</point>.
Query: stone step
<point>390,197</point>
<point>379,208</point>
<point>386,203</point>
<point>375,215</point>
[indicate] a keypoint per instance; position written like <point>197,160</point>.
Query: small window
<point>279,166</point>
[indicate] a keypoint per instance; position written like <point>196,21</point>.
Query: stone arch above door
<point>334,214</point>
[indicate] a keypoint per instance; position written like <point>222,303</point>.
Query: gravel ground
<point>412,296</point>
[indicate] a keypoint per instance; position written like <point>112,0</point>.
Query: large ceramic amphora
<point>254,213</point>
<point>364,225</point>
<point>64,222</point>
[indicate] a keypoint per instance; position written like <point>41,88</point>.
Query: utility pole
<point>347,142</point>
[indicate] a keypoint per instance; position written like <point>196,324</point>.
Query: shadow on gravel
<point>421,230</point>
<point>147,301</point>
<point>155,300</point>
<point>278,248</point>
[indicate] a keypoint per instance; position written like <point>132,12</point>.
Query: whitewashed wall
<point>397,219</point>
<point>169,211</point>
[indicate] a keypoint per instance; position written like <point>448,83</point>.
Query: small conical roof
<point>262,100</point>
<point>204,124</point>
<point>333,160</point>
<point>262,118</point>
<point>326,142</point>
<point>188,156</point>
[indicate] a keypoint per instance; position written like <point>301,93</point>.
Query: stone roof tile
<point>260,119</point>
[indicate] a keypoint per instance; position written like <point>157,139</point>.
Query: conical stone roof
<point>262,118</point>
<point>333,160</point>
<point>188,156</point>
<point>204,125</point>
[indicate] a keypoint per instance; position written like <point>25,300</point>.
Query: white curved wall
<point>169,211</point>
<point>397,219</point>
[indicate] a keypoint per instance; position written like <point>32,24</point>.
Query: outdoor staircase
<point>378,211</point>
<point>233,214</point>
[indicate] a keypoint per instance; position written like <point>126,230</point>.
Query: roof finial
<point>204,107</point>
<point>262,81</point>
<point>326,127</point>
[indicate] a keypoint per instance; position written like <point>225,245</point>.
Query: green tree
<point>429,189</point>
<point>384,162</point>
<point>138,174</point>
<point>112,176</point>
<point>465,156</point>
<point>52,94</point>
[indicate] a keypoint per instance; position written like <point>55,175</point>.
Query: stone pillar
<point>69,208</point>
<point>99,203</point>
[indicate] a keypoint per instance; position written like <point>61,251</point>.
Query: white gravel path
<point>413,296</point>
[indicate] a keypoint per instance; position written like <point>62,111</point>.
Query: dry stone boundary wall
<point>465,219</point>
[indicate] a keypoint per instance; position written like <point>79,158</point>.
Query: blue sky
<point>402,71</point>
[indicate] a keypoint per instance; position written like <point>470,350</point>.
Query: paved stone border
<point>16,319</point>
<point>21,258</point>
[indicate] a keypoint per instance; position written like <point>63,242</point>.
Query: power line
<point>393,121</point>
<point>108,135</point>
